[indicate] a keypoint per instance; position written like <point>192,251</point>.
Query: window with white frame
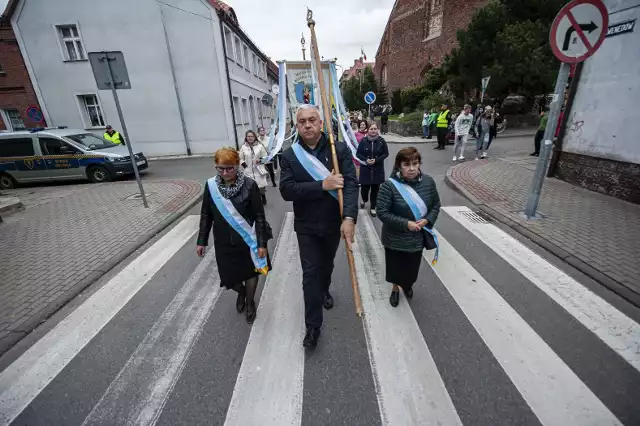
<point>254,64</point>
<point>228,42</point>
<point>435,14</point>
<point>245,55</point>
<point>236,110</point>
<point>245,111</point>
<point>71,43</point>
<point>92,111</point>
<point>264,71</point>
<point>12,119</point>
<point>238,50</point>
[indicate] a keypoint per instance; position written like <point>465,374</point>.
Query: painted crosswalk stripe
<point>409,388</point>
<point>138,393</point>
<point>269,387</point>
<point>553,391</point>
<point>23,380</point>
<point>614,328</point>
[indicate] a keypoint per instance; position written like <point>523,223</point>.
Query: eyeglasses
<point>229,169</point>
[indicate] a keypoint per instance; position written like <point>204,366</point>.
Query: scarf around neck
<point>229,192</point>
<point>397,174</point>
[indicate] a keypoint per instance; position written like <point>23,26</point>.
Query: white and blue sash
<point>239,224</point>
<point>312,165</point>
<point>418,208</point>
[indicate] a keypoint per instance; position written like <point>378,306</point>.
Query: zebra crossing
<point>475,346</point>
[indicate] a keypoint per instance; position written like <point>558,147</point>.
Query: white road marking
<point>23,380</point>
<point>613,327</point>
<point>555,394</point>
<point>408,385</point>
<point>138,393</point>
<point>269,387</point>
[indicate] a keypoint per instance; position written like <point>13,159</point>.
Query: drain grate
<point>475,217</point>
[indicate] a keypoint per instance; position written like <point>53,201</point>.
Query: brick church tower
<point>418,35</point>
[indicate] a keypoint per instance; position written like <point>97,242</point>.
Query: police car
<point>62,154</point>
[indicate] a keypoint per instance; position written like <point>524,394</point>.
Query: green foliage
<point>354,89</point>
<point>411,97</point>
<point>432,102</point>
<point>412,117</point>
<point>508,40</point>
<point>396,101</point>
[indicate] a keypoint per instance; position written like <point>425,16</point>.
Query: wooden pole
<point>327,119</point>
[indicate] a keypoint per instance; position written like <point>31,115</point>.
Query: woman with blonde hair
<point>232,205</point>
<point>251,154</point>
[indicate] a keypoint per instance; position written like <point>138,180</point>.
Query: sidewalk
<point>597,234</point>
<point>508,133</point>
<point>69,236</point>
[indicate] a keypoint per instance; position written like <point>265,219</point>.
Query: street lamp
<point>302,42</point>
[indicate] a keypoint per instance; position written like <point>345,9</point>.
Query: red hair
<point>227,156</point>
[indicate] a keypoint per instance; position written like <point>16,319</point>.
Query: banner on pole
<point>300,83</point>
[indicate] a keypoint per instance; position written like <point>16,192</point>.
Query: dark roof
<point>5,18</point>
<point>224,8</point>
<point>273,68</point>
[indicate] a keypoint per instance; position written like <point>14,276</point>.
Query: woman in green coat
<point>403,236</point>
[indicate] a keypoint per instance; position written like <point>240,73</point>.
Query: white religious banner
<point>300,83</point>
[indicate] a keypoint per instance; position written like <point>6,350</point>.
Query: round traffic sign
<point>34,113</point>
<point>578,30</point>
<point>370,97</point>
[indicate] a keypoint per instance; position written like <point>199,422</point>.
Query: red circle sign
<point>578,30</point>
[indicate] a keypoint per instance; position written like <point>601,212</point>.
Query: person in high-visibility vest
<point>442,126</point>
<point>113,136</point>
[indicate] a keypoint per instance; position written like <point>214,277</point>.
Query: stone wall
<point>610,177</point>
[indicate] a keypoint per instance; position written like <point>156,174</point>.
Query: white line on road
<point>23,380</point>
<point>408,385</point>
<point>138,393</point>
<point>613,327</point>
<point>553,391</point>
<point>269,387</point>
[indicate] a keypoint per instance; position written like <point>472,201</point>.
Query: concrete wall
<point>150,107</point>
<point>603,120</point>
<point>600,150</point>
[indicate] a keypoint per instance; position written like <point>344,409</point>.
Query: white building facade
<point>197,80</point>
<point>600,148</point>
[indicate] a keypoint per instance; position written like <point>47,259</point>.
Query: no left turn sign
<point>578,30</point>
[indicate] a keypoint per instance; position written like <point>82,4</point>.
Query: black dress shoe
<point>408,293</point>
<point>251,312</point>
<point>328,301</point>
<point>311,338</point>
<point>394,299</point>
<point>240,301</point>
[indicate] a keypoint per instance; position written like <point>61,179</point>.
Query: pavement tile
<point>602,231</point>
<point>53,244</point>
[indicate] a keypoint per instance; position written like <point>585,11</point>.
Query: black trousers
<point>272,174</point>
<point>364,192</point>
<point>537,140</point>
<point>442,136</point>
<point>316,256</point>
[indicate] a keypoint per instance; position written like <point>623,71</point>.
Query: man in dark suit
<point>318,223</point>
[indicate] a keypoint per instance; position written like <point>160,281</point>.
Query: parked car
<point>62,154</point>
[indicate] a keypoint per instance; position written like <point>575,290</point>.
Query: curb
<point>13,338</point>
<point>604,280</point>
<point>434,140</point>
<point>179,157</point>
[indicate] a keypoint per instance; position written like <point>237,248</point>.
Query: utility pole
<point>302,42</point>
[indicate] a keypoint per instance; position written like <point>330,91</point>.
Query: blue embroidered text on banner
<point>239,224</point>
<point>418,208</point>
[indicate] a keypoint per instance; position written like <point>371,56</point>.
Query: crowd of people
<point>406,201</point>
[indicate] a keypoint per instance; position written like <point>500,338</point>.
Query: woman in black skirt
<point>233,256</point>
<point>403,235</point>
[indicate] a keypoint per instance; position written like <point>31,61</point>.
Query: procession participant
<point>306,180</point>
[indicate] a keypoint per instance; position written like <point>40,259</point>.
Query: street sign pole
<point>549,133</point>
<point>112,83</point>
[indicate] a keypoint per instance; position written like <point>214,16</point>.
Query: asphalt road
<point>499,332</point>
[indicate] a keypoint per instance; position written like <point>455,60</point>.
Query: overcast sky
<point>342,26</point>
